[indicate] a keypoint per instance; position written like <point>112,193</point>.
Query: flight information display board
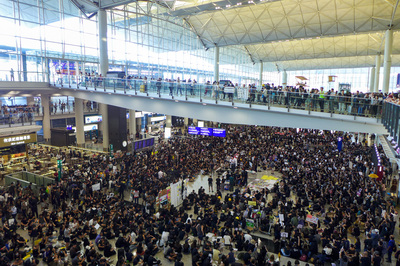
<point>206,131</point>
<point>141,144</point>
<point>219,132</point>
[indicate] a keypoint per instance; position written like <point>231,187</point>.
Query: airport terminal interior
<point>199,132</point>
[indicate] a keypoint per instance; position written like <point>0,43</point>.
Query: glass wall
<point>45,38</point>
<point>358,78</point>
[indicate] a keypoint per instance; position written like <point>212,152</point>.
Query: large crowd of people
<point>70,222</point>
<point>339,100</point>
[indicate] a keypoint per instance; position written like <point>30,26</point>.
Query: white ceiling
<point>297,33</point>
<point>292,19</point>
<point>325,47</point>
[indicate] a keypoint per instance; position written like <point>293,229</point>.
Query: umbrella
<point>373,176</point>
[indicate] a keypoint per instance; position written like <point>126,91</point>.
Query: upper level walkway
<point>232,105</point>
<point>226,105</point>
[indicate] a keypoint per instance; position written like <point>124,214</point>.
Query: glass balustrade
<point>16,116</point>
<point>242,96</point>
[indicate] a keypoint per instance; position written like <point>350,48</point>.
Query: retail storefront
<point>15,147</point>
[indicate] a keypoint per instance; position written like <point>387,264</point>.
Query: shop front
<point>14,148</point>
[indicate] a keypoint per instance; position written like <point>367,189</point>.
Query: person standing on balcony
<point>178,86</point>
<point>341,100</point>
<point>321,99</point>
<point>12,74</point>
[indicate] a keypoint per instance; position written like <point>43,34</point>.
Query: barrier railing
<point>28,179</point>
<point>189,91</point>
<point>16,116</point>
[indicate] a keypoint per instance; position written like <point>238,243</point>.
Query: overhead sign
<point>88,127</point>
<point>17,140</point>
<point>141,114</point>
<point>93,119</point>
<point>158,118</point>
<point>219,132</point>
<point>206,131</point>
<point>141,144</point>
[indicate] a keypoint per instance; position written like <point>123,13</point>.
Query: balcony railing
<point>208,93</point>
<point>16,116</point>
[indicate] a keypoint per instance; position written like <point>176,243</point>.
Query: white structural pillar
<point>260,79</point>
<point>377,70</point>
<point>45,99</point>
<point>186,121</point>
<point>372,80</point>
<point>132,124</point>
<point>284,79</point>
<point>387,63</point>
<point>103,56</point>
<point>216,64</point>
<point>80,133</point>
<point>167,128</point>
<point>103,109</point>
<point>30,101</point>
<point>168,121</point>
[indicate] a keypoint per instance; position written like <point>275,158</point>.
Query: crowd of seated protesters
<point>314,175</point>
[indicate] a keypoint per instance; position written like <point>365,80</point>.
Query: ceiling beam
<point>195,32</point>
<point>249,54</point>
<point>395,28</point>
<point>266,59</point>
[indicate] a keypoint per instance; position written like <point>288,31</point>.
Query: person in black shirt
<point>170,253</point>
<point>365,259</point>
<point>247,257</point>
<point>368,243</point>
<point>376,259</point>
<point>210,184</point>
<point>218,181</point>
